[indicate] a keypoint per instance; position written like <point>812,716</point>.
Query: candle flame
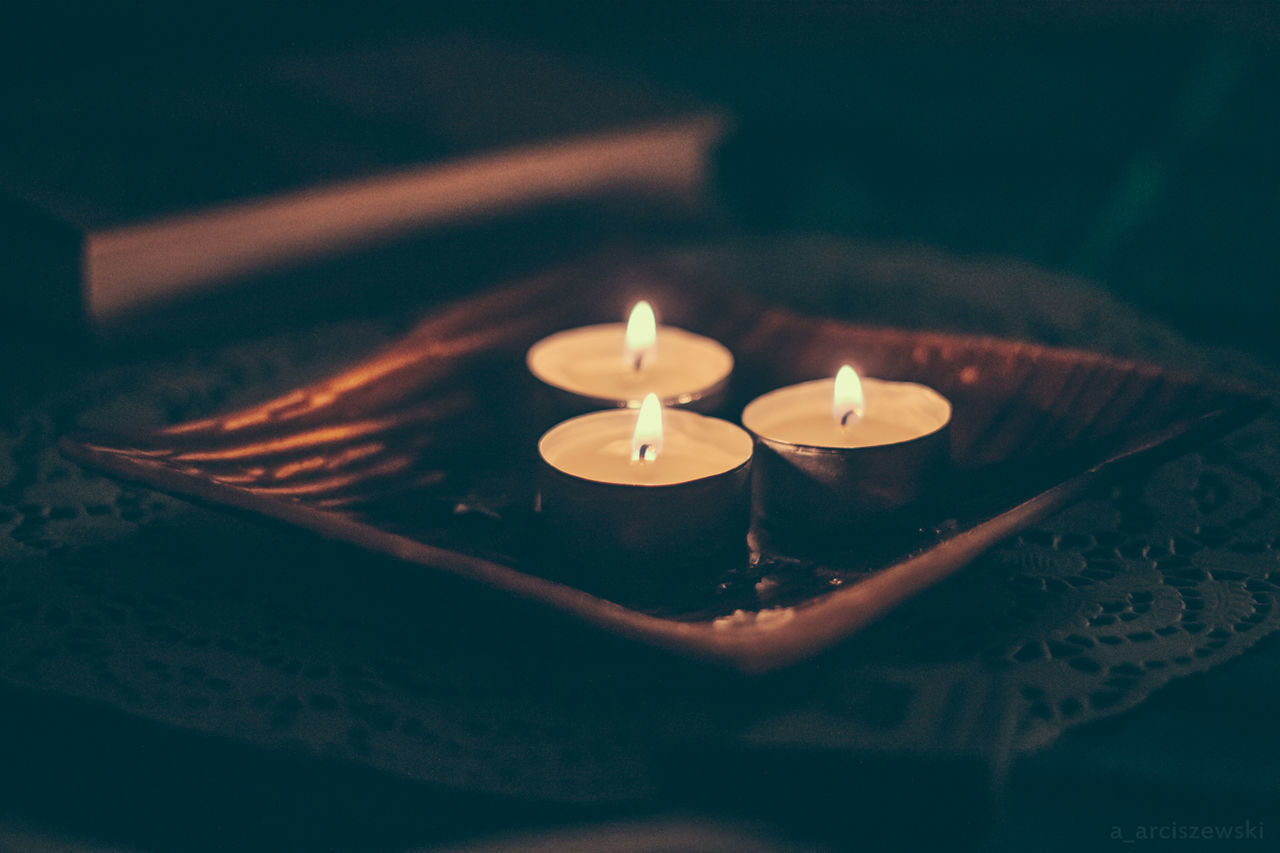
<point>646,441</point>
<point>642,336</point>
<point>848,404</point>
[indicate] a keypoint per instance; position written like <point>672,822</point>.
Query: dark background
<point>1132,143</point>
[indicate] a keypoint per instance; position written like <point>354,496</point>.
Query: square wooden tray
<point>420,452</point>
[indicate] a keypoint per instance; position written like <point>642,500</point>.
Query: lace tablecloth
<point>208,623</point>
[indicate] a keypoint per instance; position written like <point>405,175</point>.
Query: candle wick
<point>643,452</point>
<point>639,360</point>
<point>844,419</point>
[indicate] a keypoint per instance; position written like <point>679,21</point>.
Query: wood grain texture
<point>420,452</point>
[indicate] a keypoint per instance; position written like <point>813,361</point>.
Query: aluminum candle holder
<point>816,479</point>
<point>669,521</point>
<point>614,365</point>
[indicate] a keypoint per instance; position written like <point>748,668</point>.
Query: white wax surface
<point>597,446</point>
<point>801,414</point>
<point>589,361</point>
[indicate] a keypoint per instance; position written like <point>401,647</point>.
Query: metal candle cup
<point>614,365</point>
<point>635,527</point>
<point>816,480</point>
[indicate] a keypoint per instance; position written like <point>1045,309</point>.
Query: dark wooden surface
<point>388,453</point>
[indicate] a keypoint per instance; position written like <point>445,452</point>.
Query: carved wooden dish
<point>420,452</point>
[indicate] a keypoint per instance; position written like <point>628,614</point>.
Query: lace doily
<point>211,623</point>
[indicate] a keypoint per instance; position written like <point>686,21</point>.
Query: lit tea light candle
<point>847,411</point>
<point>644,498</point>
<point>832,451</point>
<point>649,447</point>
<point>614,365</point>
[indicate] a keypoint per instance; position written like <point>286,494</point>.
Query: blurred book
<point>126,190</point>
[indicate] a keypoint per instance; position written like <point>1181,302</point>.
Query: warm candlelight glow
<point>646,441</point>
<point>847,403</point>
<point>642,336</point>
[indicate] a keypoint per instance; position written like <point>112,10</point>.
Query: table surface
<point>1138,163</point>
<point>163,655</point>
